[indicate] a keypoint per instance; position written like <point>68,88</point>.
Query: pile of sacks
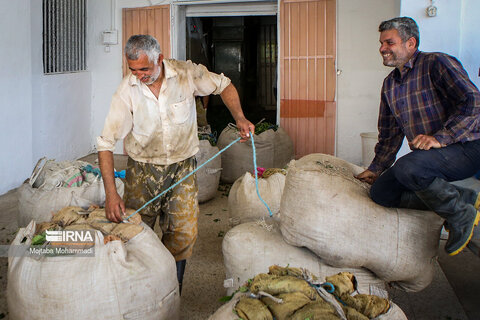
<point>296,294</point>
<point>274,149</point>
<point>130,276</point>
<point>54,185</point>
<point>326,222</point>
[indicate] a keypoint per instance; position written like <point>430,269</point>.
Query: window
<point>64,29</point>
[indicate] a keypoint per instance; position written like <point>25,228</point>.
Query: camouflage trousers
<point>178,208</point>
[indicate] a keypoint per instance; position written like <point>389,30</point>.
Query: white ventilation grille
<point>64,29</point>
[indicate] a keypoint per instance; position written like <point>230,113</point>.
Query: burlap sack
<point>133,280</point>
<point>208,177</point>
<point>250,248</point>
<point>274,149</point>
<point>244,205</point>
<point>327,210</point>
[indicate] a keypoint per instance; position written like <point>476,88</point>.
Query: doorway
<point>244,48</point>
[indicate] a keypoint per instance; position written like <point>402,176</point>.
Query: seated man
<point>428,98</point>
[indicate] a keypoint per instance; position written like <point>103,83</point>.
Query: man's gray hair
<point>142,44</point>
<point>406,27</point>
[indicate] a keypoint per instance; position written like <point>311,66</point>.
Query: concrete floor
<point>453,294</point>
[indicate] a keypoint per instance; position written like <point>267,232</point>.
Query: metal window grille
<point>64,35</point>
<point>267,66</point>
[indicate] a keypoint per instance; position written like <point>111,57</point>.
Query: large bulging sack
<point>57,185</point>
<point>274,149</point>
<point>244,204</point>
<point>250,248</point>
<point>327,210</point>
<point>208,177</point>
<point>132,280</point>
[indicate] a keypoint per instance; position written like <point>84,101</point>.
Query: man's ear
<point>160,58</point>
<point>412,43</point>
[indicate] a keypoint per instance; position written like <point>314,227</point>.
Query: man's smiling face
<point>394,51</point>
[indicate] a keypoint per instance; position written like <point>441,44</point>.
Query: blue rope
<point>188,175</point>
<point>199,167</point>
<point>256,174</point>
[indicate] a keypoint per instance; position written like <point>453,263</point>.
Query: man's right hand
<point>114,207</point>
<point>367,176</point>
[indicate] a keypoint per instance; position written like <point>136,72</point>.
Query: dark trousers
<point>418,169</point>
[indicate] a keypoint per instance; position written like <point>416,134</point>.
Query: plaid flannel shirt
<point>432,95</point>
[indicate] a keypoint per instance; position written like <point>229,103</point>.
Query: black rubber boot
<point>410,200</point>
<point>469,196</point>
<point>461,216</point>
<point>180,271</point>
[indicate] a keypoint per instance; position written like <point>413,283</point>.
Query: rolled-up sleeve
<point>207,82</point>
<point>117,124</point>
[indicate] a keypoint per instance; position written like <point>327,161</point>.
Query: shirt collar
<point>169,69</point>
<point>406,67</point>
<point>412,60</point>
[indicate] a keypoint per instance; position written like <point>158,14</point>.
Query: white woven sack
<point>39,205</point>
<point>208,177</point>
<point>274,149</point>
<point>327,210</point>
<point>136,280</point>
<point>244,204</point>
<point>226,312</point>
<point>249,249</point>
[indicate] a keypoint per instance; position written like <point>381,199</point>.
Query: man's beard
<point>154,76</point>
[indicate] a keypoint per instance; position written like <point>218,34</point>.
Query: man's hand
<point>424,142</point>
<point>367,176</point>
<point>245,127</point>
<point>114,207</point>
<point>231,99</point>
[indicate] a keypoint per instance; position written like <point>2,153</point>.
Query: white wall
<point>362,71</point>
<point>15,94</point>
<point>42,115</point>
<point>470,42</point>
<point>440,33</point>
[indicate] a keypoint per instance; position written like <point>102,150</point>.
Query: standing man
<point>428,98</point>
<point>153,109</point>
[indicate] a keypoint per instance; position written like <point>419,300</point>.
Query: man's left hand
<point>424,142</point>
<point>245,127</point>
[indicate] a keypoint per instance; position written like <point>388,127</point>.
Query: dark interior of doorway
<point>245,50</point>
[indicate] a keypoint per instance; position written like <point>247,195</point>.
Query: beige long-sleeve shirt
<point>164,130</point>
